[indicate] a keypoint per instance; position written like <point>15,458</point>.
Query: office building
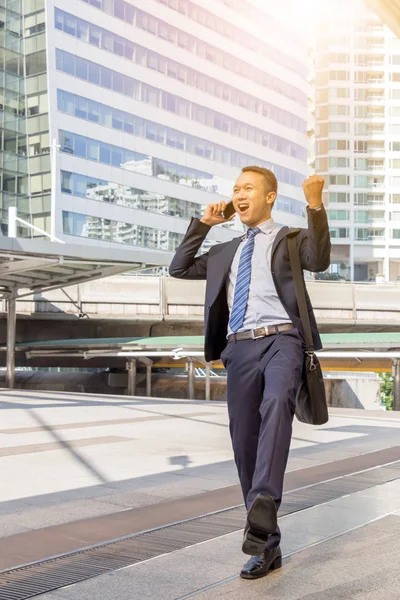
<point>124,118</point>
<point>357,137</point>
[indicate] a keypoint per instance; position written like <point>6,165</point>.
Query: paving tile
<point>345,568</point>
<point>176,576</point>
<point>11,526</point>
<point>39,517</point>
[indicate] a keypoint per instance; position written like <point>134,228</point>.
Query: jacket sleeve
<point>185,264</point>
<point>315,245</point>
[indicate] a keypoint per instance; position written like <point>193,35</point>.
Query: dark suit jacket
<point>314,249</point>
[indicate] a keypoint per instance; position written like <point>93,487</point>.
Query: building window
<point>339,232</point>
<point>361,234</point>
<point>146,57</point>
<point>335,93</point>
<point>113,118</point>
<point>361,147</point>
<point>339,215</point>
<point>35,63</point>
<point>361,112</point>
<point>361,216</point>
<point>339,144</point>
<point>338,197</point>
<point>338,110</point>
<point>338,75</point>
<point>361,181</point>
<point>113,193</point>
<point>203,50</point>
<point>340,163</point>
<point>339,180</point>
<point>361,164</point>
<point>338,127</point>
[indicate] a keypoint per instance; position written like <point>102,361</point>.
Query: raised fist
<point>313,187</point>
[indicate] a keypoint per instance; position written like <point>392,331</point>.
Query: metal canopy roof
<point>30,266</point>
<point>180,346</point>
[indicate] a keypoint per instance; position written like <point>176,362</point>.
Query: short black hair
<point>270,181</point>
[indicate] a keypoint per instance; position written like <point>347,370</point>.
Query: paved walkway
<point>79,470</point>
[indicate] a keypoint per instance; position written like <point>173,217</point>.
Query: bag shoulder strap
<point>299,287</point>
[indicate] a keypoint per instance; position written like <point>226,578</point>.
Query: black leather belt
<point>260,332</point>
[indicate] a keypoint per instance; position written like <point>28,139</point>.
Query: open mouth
<point>243,207</point>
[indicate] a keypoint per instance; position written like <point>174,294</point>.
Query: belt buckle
<point>256,337</point>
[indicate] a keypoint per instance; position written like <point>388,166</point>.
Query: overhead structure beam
<point>34,264</point>
<point>60,281</point>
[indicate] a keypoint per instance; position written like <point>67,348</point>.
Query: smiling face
<point>251,198</point>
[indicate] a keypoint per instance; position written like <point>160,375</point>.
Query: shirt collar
<point>265,227</point>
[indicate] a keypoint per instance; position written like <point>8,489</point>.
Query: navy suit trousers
<point>263,378</point>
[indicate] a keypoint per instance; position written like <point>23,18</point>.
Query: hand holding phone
<point>215,214</point>
<point>229,210</point>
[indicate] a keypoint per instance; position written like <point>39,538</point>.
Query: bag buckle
<point>256,337</point>
<point>311,355</point>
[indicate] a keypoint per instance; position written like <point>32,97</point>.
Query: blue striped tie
<point>242,285</point>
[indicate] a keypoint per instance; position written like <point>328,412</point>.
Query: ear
<point>270,197</point>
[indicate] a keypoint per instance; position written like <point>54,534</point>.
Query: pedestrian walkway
<point>138,499</point>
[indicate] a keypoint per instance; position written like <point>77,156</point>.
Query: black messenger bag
<point>311,405</point>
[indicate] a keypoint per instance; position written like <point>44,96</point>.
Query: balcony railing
<point>374,204</point>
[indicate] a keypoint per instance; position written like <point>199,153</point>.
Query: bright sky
<point>301,14</point>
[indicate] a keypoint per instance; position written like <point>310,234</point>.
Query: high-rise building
<point>357,139</point>
<point>13,149</point>
<point>132,115</point>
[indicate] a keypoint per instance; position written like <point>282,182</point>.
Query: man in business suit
<point>252,323</point>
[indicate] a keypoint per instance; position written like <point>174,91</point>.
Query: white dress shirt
<point>263,305</point>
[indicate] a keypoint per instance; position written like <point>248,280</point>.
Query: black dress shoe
<point>259,566</point>
<point>261,522</point>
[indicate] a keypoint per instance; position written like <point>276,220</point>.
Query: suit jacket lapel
<point>279,237</point>
<point>220,265</point>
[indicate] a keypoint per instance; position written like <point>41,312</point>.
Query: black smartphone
<point>229,211</point>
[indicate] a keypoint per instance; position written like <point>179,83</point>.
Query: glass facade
<point>166,86</point>
<point>115,156</point>
<point>101,190</point>
<point>13,142</point>
<point>142,92</point>
<point>37,117</point>
<point>89,110</point>
<point>123,233</point>
<point>221,26</point>
<point>138,18</point>
<point>124,48</point>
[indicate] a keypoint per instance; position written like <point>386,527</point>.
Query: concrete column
<point>191,378</point>
<point>386,266</point>
<point>396,387</point>
<point>131,366</point>
<point>351,260</point>
<point>208,381</point>
<point>11,331</point>
<point>12,222</point>
<point>148,381</point>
